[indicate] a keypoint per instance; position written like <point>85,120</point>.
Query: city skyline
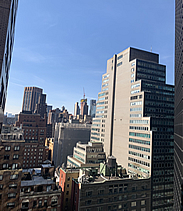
<point>73,42</point>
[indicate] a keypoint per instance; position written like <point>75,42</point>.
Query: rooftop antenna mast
<point>151,48</point>
<point>83,93</point>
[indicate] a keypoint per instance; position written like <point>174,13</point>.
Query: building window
<point>143,202</point>
<point>40,204</point>
<point>133,204</point>
<point>7,148</point>
<point>89,193</point>
<point>16,148</point>
<point>14,176</point>
<point>1,187</point>
<point>11,204</point>
<point>11,195</point>
<point>13,186</point>
<point>54,202</point>
<point>34,203</point>
<point>1,177</point>
<point>15,166</point>
<point>45,203</point>
<point>15,157</point>
<point>48,188</point>
<point>6,157</point>
<point>5,165</point>
<point>25,205</point>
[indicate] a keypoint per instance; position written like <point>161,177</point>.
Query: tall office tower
<point>41,106</point>
<point>31,97</point>
<point>178,135</point>
<point>84,107</point>
<point>8,10</point>
<point>134,120</point>
<point>48,108</point>
<point>76,109</point>
<point>92,108</point>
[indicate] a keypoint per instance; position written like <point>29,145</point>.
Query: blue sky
<point>62,46</point>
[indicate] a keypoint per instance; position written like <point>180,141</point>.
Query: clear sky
<point>62,46</point>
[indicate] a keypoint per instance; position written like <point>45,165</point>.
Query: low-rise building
<point>91,155</point>
<point>65,182</point>
<point>39,190</point>
<point>111,190</point>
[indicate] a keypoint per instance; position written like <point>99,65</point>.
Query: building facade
<point>30,98</point>
<point>134,120</point>
<point>91,154</point>
<point>34,134</point>
<point>12,147</point>
<point>178,135</point>
<point>8,11</point>
<point>92,108</point>
<point>66,137</point>
<point>76,109</point>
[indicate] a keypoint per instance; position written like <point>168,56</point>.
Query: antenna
<point>151,48</point>
<point>83,93</point>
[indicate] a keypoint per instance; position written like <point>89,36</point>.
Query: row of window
<point>150,77</point>
<point>155,86</point>
<point>140,135</point>
<point>139,121</point>
<point>135,91</point>
<point>15,157</point>
<point>136,103</point>
<point>136,109</point>
<point>139,148</point>
<point>163,172</point>
<point>135,115</point>
<point>119,64</point>
<point>145,70</point>
<point>105,89</point>
<point>139,155</point>
<point>138,168</point>
<point>105,76</point>
<point>136,97</point>
<point>139,161</point>
<point>102,94</point>
<point>138,128</point>
<point>12,177</point>
<point>8,148</point>
<point>119,57</point>
<point>152,66</point>
<point>105,85</point>
<point>104,81</point>
<point>139,141</point>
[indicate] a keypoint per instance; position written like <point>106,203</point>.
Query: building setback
<point>8,10</point>
<point>134,120</point>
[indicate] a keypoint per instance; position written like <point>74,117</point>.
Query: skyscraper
<point>92,108</point>
<point>8,11</point>
<point>31,97</point>
<point>76,109</point>
<point>134,120</point>
<point>41,106</point>
<point>178,135</point>
<point>84,107</point>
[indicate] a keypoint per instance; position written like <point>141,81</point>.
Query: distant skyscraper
<point>31,97</point>
<point>8,10</point>
<point>84,107</point>
<point>135,118</point>
<point>92,108</point>
<point>76,109</point>
<point>49,108</point>
<point>41,106</point>
<point>178,135</point>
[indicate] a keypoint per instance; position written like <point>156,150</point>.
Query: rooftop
<point>36,180</point>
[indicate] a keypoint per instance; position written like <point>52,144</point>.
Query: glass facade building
<point>8,10</point>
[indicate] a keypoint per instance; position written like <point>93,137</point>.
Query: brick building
<point>34,128</point>
<point>39,190</point>
<point>11,160</point>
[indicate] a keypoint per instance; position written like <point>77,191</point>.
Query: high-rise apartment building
<point>31,97</point>
<point>8,10</point>
<point>92,108</point>
<point>178,127</point>
<point>135,118</point>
